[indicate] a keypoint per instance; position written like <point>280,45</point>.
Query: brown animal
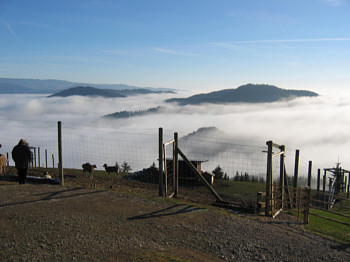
<point>111,169</point>
<point>2,164</point>
<point>88,168</point>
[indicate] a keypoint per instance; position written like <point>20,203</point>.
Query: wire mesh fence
<point>139,148</point>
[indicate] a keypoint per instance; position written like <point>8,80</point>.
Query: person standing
<point>22,155</point>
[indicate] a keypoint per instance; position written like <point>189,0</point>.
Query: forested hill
<point>249,93</point>
<point>108,93</point>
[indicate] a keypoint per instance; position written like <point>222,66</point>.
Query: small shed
<point>186,175</point>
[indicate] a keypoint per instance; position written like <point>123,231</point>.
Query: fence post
<point>324,188</point>
<point>309,174</point>
<point>296,173</point>
<point>7,157</point>
<point>60,164</point>
<point>38,156</point>
<point>46,158</point>
<point>307,205</point>
<point>34,157</point>
<point>268,179</point>
<point>282,175</point>
<point>318,185</point>
<point>348,185</point>
<point>176,164</point>
<point>160,161</point>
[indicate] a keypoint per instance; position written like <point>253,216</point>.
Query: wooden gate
<point>164,171</point>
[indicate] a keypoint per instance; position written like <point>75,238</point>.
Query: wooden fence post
<point>165,177</point>
<point>46,158</point>
<point>324,188</point>
<point>60,164</point>
<point>176,164</point>
<point>268,179</point>
<point>282,175</point>
<point>34,158</point>
<point>348,185</point>
<point>160,161</point>
<point>309,174</point>
<point>38,156</point>
<point>307,205</point>
<point>7,157</point>
<point>296,173</point>
<point>318,185</point>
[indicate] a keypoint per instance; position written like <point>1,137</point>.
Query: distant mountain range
<point>249,93</point>
<point>107,93</point>
<point>38,86</point>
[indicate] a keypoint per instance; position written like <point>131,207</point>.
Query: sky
<point>188,45</point>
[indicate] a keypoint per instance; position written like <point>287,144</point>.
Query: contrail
<point>8,27</point>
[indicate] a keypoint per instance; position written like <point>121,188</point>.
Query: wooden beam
<point>195,171</point>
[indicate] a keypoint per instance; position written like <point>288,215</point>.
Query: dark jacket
<point>22,155</point>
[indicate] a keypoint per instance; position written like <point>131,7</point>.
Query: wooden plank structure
<point>163,185</point>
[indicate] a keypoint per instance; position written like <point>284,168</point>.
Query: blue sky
<point>198,45</point>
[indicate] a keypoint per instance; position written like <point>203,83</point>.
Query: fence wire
<point>138,148</point>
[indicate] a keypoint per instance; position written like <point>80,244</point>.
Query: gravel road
<point>53,223</point>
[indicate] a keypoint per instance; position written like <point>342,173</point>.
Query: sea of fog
<point>318,127</point>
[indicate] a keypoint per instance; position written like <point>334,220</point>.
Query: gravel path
<point>54,223</point>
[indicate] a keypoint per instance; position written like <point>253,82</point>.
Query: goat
<point>111,169</point>
<point>2,164</point>
<point>87,167</point>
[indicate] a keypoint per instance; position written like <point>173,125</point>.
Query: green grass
<point>330,229</point>
<point>244,190</point>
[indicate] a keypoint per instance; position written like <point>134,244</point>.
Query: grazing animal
<point>111,169</point>
<point>88,168</point>
<point>2,164</point>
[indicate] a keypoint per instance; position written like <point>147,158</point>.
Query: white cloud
<point>8,27</point>
<point>316,126</point>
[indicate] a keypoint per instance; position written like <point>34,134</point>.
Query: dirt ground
<point>119,220</point>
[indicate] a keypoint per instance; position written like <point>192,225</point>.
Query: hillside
<point>127,114</point>
<point>249,93</point>
<point>87,91</point>
<point>46,86</point>
<point>108,93</point>
<point>8,88</point>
